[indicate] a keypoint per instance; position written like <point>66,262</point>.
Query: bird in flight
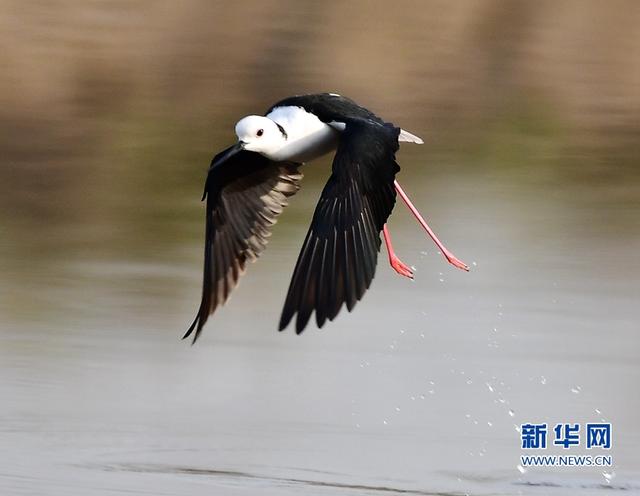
<point>248,186</point>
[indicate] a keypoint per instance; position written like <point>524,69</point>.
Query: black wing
<point>245,193</point>
<point>338,258</point>
<point>329,107</point>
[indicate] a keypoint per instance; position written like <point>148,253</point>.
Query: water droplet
<point>413,398</point>
<point>543,380</point>
<point>468,415</point>
<point>597,411</point>
<point>441,279</point>
<point>397,409</point>
<point>511,413</point>
<point>431,391</point>
<point>357,426</point>
<point>576,389</point>
<point>401,331</point>
<point>521,469</point>
<point>422,335</point>
<point>475,264</point>
<point>490,424</point>
<point>469,381</point>
<point>385,422</point>
<point>608,476</point>
<point>489,386</point>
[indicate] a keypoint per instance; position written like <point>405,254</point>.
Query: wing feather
<point>338,257</point>
<point>245,193</point>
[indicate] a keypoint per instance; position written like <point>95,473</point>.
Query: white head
<point>260,134</point>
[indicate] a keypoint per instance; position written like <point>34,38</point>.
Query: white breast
<point>307,136</point>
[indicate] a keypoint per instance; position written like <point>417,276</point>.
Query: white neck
<point>307,136</point>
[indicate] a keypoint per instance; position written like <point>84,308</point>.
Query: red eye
<point>260,132</point>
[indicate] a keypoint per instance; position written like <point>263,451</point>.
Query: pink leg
<point>451,258</point>
<point>396,264</point>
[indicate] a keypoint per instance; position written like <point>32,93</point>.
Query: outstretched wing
<point>245,193</point>
<point>338,258</point>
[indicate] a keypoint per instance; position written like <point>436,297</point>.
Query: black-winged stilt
<point>248,185</point>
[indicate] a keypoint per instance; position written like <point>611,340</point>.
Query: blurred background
<point>109,115</point>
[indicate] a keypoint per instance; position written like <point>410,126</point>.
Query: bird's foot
<point>455,261</point>
<point>400,267</point>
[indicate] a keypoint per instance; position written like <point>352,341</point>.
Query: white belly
<point>307,136</point>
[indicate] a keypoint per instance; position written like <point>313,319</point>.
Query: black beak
<point>227,154</point>
<point>220,159</point>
